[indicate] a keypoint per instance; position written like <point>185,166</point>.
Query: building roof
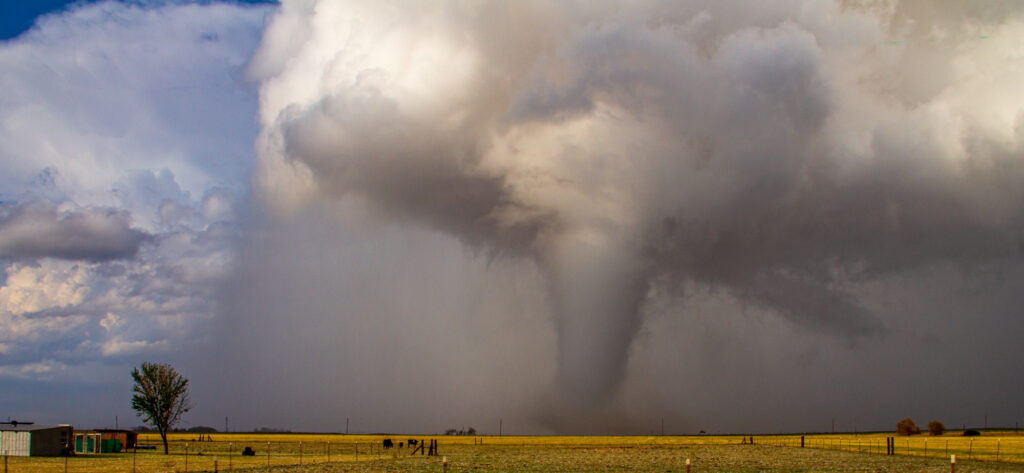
<point>19,427</point>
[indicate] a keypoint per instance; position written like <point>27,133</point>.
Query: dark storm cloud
<point>812,168</point>
<point>41,229</point>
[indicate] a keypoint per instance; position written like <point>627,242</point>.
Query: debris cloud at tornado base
<point>798,161</point>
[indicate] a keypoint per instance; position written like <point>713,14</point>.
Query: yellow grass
<point>1005,446</point>
<point>335,452</point>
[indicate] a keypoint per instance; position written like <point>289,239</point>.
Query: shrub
<point>936,428</point>
<point>907,427</point>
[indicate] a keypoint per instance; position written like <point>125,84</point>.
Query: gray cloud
<point>40,229</point>
<point>791,156</point>
<point>573,217</point>
<point>126,142</point>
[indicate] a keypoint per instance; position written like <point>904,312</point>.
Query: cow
<point>411,442</point>
<point>388,444</point>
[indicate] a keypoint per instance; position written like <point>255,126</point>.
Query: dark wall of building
<point>50,442</point>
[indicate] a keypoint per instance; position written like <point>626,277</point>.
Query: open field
<point>362,453</point>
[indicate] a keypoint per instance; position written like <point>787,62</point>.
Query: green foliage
<point>936,428</point>
<point>907,426</point>
<point>161,396</point>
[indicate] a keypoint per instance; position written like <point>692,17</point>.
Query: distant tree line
<point>469,431</point>
<point>199,429</point>
<point>271,430</point>
<point>906,426</point>
<point>203,429</point>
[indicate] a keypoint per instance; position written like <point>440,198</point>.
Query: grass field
<point>362,453</point>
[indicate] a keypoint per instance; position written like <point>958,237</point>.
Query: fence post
<point>328,452</point>
<point>444,462</point>
<point>300,453</point>
<point>801,441</point>
<point>215,464</point>
<point>231,448</point>
<point>186,457</point>
<point>268,454</point>
<point>998,442</point>
<point>952,463</point>
<point>687,465</point>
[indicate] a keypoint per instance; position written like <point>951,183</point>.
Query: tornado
<point>596,288</point>
<point>779,156</point>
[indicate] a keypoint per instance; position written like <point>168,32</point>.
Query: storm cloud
<point>126,133</point>
<point>39,229</point>
<point>564,218</point>
<point>785,157</point>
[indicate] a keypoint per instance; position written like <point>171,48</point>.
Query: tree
<point>161,396</point>
<point>936,428</point>
<point>907,426</point>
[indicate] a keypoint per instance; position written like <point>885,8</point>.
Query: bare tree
<point>161,396</point>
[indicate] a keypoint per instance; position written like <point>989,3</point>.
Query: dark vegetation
<point>906,426</point>
<point>271,430</point>
<point>469,431</point>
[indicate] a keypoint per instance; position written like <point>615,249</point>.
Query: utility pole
<point>226,424</point>
<point>346,426</point>
<point>499,427</point>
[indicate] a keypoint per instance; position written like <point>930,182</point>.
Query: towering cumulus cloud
<point>786,154</point>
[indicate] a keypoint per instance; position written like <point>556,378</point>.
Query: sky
<point>570,218</point>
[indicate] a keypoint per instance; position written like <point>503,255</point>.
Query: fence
<point>997,446</point>
<point>213,455</point>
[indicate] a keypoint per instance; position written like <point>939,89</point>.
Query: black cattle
<point>971,433</point>
<point>248,452</point>
<point>411,442</point>
<point>388,443</point>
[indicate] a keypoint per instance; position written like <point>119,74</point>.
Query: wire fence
<point>999,447</point>
<point>208,456</point>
